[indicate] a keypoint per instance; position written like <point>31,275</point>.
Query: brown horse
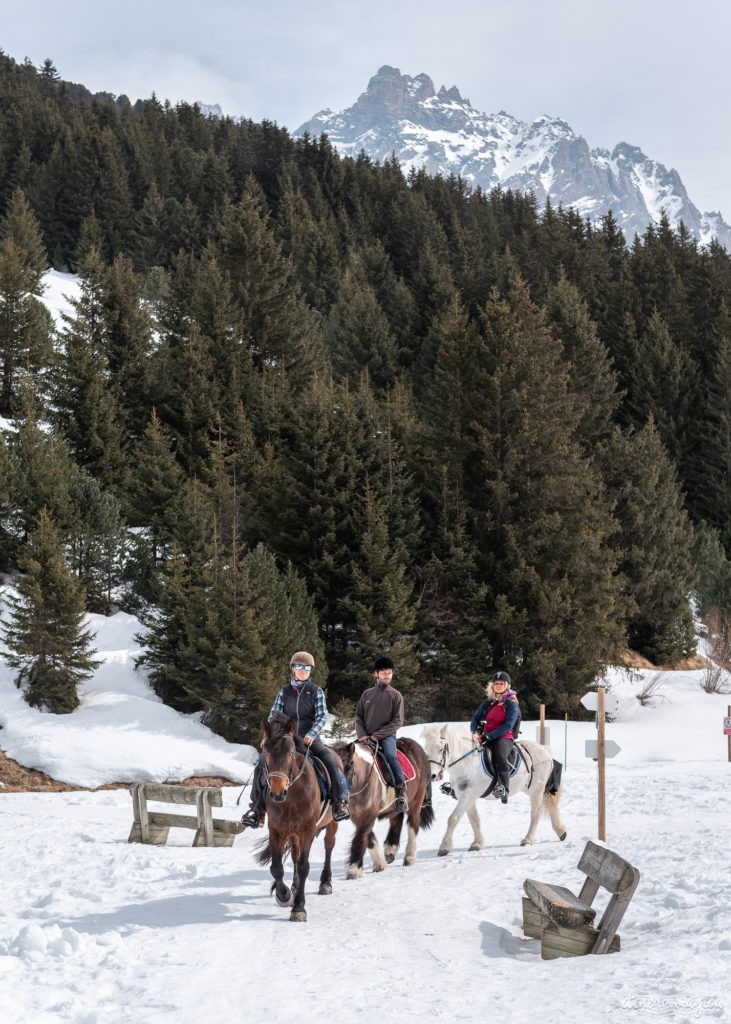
<point>295,816</point>
<point>370,799</point>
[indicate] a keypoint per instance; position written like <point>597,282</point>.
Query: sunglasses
<point>298,667</point>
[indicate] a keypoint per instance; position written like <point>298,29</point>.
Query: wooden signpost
<point>601,748</point>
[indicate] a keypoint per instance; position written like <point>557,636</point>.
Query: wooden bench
<point>564,922</point>
<point>152,827</point>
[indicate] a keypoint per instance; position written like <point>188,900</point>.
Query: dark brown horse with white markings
<point>372,799</point>
<point>295,816</point>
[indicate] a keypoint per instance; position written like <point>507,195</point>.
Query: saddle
<point>515,760</point>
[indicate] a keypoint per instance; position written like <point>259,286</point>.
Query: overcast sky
<point>653,73</point>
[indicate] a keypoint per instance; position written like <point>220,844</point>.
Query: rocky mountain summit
<point>443,133</point>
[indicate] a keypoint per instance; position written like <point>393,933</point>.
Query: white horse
<point>454,752</point>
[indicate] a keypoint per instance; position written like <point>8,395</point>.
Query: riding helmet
<point>501,677</point>
<point>301,658</point>
<point>380,663</point>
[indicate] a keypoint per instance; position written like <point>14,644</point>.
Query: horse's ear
<point>350,748</point>
<point>289,729</point>
<point>265,727</point>
<point>443,730</point>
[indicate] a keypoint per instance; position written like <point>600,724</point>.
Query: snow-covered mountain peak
<point>442,133</point>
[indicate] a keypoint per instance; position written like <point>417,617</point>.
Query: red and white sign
<point>727,727</point>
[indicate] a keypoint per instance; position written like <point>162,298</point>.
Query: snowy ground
<point>94,930</point>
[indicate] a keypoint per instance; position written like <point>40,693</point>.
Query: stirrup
<point>253,818</point>
<point>501,793</point>
<point>401,805</point>
<point>340,810</point>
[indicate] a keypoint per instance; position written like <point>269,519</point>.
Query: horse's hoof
<point>409,863</point>
<point>474,848</point>
<point>442,853</point>
<point>285,898</point>
<point>562,836</point>
<point>526,842</point>
<point>354,871</point>
<point>390,857</point>
<point>298,915</point>
<point>325,889</point>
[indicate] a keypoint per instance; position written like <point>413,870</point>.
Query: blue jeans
<point>388,746</point>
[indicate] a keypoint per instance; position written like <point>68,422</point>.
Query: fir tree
<point>380,603</point>
<point>454,628</point>
<point>541,520</point>
<point>46,638</point>
<point>654,545</point>
<point>25,325</point>
<point>86,408</point>
<point>358,335</point>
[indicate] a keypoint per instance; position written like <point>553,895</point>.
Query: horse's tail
<point>426,817</point>
<point>553,784</point>
<point>265,855</point>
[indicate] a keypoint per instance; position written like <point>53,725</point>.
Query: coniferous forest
<point>306,402</point>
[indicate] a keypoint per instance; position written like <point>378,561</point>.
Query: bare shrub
<point>718,636</point>
<point>716,676</point>
<point>716,679</point>
<point>649,695</point>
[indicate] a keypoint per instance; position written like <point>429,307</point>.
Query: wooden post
<point>565,739</point>
<point>600,763</point>
<point>542,733</point>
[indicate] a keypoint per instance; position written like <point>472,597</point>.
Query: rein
<point>357,792</point>
<point>441,765</point>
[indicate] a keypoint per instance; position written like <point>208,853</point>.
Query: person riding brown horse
<point>304,702</point>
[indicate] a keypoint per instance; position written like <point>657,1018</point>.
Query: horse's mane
<point>436,735</point>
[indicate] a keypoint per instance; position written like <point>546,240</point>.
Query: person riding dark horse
<point>378,717</point>
<point>493,723</point>
<point>303,702</point>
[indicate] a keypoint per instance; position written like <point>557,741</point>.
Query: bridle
<point>441,765</point>
<point>289,777</point>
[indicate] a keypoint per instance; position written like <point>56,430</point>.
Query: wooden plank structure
<point>564,922</point>
<point>152,827</point>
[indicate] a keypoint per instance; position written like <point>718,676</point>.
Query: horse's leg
<point>361,839</point>
<point>467,800</point>
<point>282,892</point>
<point>550,804</point>
<point>390,847</point>
<point>301,871</point>
<point>374,847</point>
<point>413,820</point>
<point>326,878</point>
<point>474,819</point>
<point>535,795</point>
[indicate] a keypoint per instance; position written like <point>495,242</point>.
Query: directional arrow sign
<point>591,748</point>
<point>590,701</point>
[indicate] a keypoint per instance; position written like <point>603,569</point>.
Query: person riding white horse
<point>493,724</point>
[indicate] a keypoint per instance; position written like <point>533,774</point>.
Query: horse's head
<point>346,752</point>
<point>279,755</point>
<point>435,742</point>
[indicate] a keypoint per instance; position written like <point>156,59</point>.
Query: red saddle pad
<point>406,767</point>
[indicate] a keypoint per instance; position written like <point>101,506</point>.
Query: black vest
<point>301,706</point>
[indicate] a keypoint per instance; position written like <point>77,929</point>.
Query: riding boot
<point>401,804</point>
<point>254,817</point>
<point>340,809</point>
